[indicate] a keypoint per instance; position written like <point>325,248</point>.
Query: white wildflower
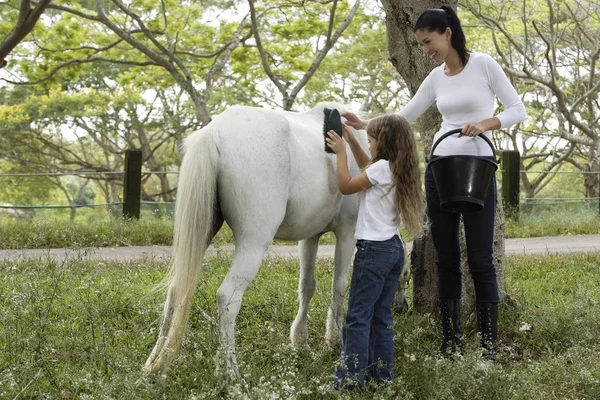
<point>525,327</point>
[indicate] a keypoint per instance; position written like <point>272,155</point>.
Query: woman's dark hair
<point>437,20</point>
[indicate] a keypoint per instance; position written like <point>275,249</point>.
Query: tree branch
<point>78,62</point>
<point>182,76</point>
<point>329,43</point>
<point>262,53</point>
<point>27,19</point>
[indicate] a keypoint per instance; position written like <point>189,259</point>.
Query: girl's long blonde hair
<point>396,143</point>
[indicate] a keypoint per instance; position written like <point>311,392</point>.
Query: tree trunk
<point>414,66</point>
<point>115,190</point>
<point>591,180</point>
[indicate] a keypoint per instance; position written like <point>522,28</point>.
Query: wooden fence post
<point>511,165</point>
<point>132,186</point>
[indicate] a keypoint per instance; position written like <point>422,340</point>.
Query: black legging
<point>479,234</point>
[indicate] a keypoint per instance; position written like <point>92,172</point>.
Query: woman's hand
<point>336,143</point>
<point>473,129</point>
<point>354,121</point>
<point>348,133</point>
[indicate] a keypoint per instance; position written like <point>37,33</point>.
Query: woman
<point>464,88</point>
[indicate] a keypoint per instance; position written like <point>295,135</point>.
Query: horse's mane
<point>331,105</point>
<point>318,109</point>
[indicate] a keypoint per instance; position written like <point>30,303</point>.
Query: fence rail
<point>91,173</point>
<point>62,206</point>
<point>510,178</point>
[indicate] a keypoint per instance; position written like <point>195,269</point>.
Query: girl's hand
<point>336,143</point>
<point>474,129</point>
<point>354,121</point>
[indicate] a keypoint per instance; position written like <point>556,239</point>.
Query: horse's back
<point>271,160</point>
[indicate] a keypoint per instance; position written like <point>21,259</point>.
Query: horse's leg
<point>401,305</point>
<point>246,263</point>
<point>344,249</point>
<point>306,289</point>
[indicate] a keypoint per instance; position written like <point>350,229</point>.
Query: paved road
<point>541,245</point>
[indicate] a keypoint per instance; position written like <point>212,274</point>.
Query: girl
<point>390,192</point>
<point>464,88</point>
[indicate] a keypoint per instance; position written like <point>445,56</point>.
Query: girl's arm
<point>346,183</point>
<point>361,157</point>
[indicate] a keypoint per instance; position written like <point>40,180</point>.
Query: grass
<point>555,220</point>
<point>47,233</point>
<point>82,329</point>
<point>60,233</point>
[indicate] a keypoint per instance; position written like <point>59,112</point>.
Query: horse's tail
<point>194,213</point>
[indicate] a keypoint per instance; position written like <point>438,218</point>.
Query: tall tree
<point>408,58</point>
<point>152,48</point>
<point>191,45</point>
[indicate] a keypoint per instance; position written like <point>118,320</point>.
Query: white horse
<point>267,174</point>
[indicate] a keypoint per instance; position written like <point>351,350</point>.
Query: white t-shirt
<point>377,216</point>
<point>467,97</point>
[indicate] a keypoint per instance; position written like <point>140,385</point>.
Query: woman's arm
<point>477,128</point>
<point>420,102</point>
<point>514,110</point>
<point>361,157</point>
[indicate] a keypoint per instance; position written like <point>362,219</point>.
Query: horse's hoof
<point>226,369</point>
<point>301,347</point>
<point>401,308</point>
<point>150,378</point>
<point>333,342</point>
<point>300,341</point>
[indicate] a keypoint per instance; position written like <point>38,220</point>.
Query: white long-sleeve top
<point>467,97</point>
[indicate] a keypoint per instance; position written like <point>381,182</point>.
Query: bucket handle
<point>454,132</point>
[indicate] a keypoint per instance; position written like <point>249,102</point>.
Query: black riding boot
<point>451,329</point>
<point>487,320</point>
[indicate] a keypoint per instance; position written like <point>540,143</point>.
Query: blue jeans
<point>479,235</point>
<point>368,335</point>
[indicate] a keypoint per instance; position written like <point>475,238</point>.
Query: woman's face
<point>435,45</point>
<point>372,146</point>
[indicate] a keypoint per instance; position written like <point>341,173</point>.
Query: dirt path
<point>540,245</point>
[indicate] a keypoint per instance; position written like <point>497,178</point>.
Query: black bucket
<point>462,181</point>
